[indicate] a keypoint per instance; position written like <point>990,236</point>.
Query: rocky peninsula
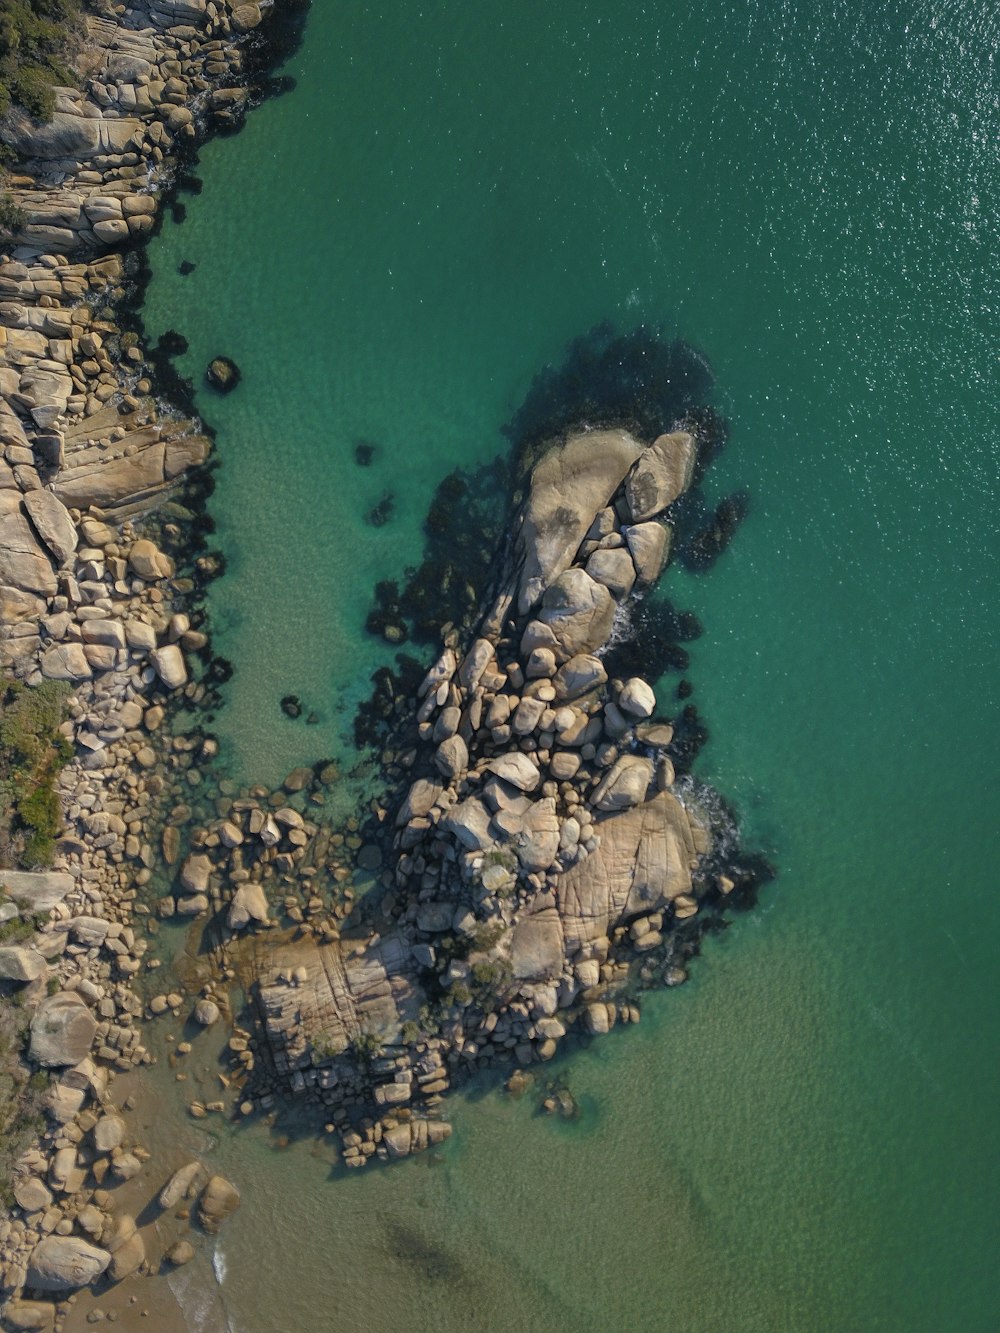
<point>532,859</point>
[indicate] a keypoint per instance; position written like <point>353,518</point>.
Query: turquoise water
<point>805,1137</point>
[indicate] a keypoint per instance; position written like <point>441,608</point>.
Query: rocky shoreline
<point>534,861</point>
<point>94,473</point>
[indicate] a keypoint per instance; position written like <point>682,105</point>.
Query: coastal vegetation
<point>32,751</point>
<point>34,35</point>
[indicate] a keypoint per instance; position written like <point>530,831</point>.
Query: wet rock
<point>223,374</point>
<point>206,1012</point>
<point>181,1185</point>
<point>196,873</point>
<point>181,1252</point>
<point>219,1200</point>
<point>249,904</point>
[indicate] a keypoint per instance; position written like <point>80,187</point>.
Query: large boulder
<point>517,769</point>
<point>196,872</point>
<point>579,612</point>
<point>452,757</point>
<point>536,841</point>
<point>63,1263</point>
<point>24,562</point>
<point>625,783</point>
<point>579,676</point>
<point>662,474</point>
<point>18,963</point>
<point>537,946</point>
<point>148,561</point>
<point>67,135</point>
<point>180,1184</point>
<point>219,1200</point>
<point>66,661</point>
<point>36,890</point>
<point>62,1030</point>
<point>50,519</point>
<point>469,822</point>
<point>570,484</point>
<point>649,544</point>
<point>637,698</point>
<point>613,568</point>
<point>169,664</point>
<point>642,862</point>
<point>29,1316</point>
<point>249,904</point>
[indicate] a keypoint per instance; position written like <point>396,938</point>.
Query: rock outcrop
<point>539,847</point>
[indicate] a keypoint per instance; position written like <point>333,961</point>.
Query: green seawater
<point>805,1137</point>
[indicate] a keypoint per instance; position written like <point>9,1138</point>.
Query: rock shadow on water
<point>425,1258</point>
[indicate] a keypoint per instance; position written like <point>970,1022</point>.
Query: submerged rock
<point>223,374</point>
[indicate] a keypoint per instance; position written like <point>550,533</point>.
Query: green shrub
<point>32,751</point>
<point>12,216</point>
<point>34,37</point>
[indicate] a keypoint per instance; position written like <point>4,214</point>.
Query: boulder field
<point>540,844</point>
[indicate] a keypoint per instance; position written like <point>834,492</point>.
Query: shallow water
<point>805,1136</point>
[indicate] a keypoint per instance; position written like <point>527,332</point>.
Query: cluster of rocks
<point>540,847</point>
<point>90,596</point>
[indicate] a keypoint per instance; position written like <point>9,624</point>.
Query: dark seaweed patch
<point>641,379</point>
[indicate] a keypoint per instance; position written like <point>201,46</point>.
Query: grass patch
<point>32,751</point>
<point>34,36</point>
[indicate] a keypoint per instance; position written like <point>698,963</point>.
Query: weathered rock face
<point>569,486</point>
<point>219,1200</point>
<point>662,473</point>
<point>62,1030</point>
<point>538,847</point>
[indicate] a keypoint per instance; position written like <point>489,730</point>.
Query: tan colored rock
<point>148,561</point>
<point>24,562</point>
<point>614,569</point>
<point>579,612</point>
<point>19,963</point>
<point>62,1030</point>
<point>537,946</point>
<point>649,545</point>
<point>579,676</point>
<point>52,522</point>
<point>219,1200</point>
<point>570,484</point>
<point>662,473</point>
<point>637,698</point>
<point>196,872</point>
<point>63,1263</point>
<point>249,904</point>
<point>181,1184</point>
